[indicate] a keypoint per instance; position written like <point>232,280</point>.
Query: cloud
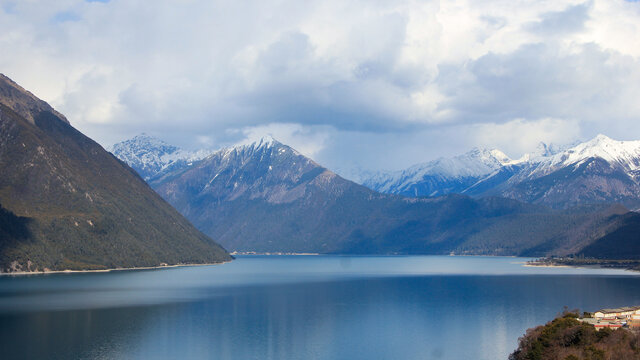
<point>425,79</point>
<point>569,20</point>
<point>518,136</point>
<point>537,81</point>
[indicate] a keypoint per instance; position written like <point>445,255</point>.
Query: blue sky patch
<point>66,16</point>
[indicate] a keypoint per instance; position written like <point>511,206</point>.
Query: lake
<point>299,307</point>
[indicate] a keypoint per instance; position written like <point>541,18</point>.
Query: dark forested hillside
<point>66,203</point>
<point>622,242</point>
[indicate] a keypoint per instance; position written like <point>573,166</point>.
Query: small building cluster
<point>628,317</point>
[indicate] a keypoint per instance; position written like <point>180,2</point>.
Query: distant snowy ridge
<point>601,170</point>
<point>462,169</point>
<point>482,172</point>
<point>150,156</point>
<point>625,154</point>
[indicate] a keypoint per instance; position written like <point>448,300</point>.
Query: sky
<point>356,85</point>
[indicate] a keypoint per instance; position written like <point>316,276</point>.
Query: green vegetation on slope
<point>566,338</point>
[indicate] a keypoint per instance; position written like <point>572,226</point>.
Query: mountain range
<point>67,204</point>
<point>267,197</point>
<point>598,171</point>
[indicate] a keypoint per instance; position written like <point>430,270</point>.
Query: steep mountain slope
<point>66,203</point>
<point>266,197</point>
<point>152,157</point>
<point>23,102</point>
<point>598,171</point>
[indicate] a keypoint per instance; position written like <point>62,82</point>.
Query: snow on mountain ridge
<point>149,155</point>
<point>481,170</point>
<point>475,163</point>
<point>625,153</point>
<point>475,172</point>
<point>621,153</point>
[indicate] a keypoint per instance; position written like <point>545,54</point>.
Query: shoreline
<point>530,264</point>
<point>628,265</point>
<point>248,253</point>
<point>23,273</point>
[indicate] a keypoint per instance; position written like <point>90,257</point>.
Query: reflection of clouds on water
<point>494,334</point>
<point>437,353</point>
<point>345,262</point>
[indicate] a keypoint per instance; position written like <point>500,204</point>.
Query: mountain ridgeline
<point>599,171</point>
<point>151,157</point>
<point>439,177</point>
<point>267,197</point>
<point>67,204</point>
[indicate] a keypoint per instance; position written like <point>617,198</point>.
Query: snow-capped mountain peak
<point>143,144</point>
<point>595,171</point>
<point>473,163</point>
<point>266,141</point>
<point>542,152</point>
<point>461,171</point>
<point>621,153</point>
<point>150,156</point>
<point>501,157</point>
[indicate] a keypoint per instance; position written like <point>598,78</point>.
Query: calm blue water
<point>298,307</point>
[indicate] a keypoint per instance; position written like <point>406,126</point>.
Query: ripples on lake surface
<point>299,307</point>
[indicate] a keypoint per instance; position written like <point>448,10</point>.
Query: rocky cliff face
<point>66,203</point>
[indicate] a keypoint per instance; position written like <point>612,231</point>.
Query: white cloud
<point>518,136</point>
<point>334,78</point>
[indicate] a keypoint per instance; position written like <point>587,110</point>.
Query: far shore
<point>631,265</point>
<point>241,253</point>
<point>531,264</point>
<point>246,253</point>
<point>47,272</point>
